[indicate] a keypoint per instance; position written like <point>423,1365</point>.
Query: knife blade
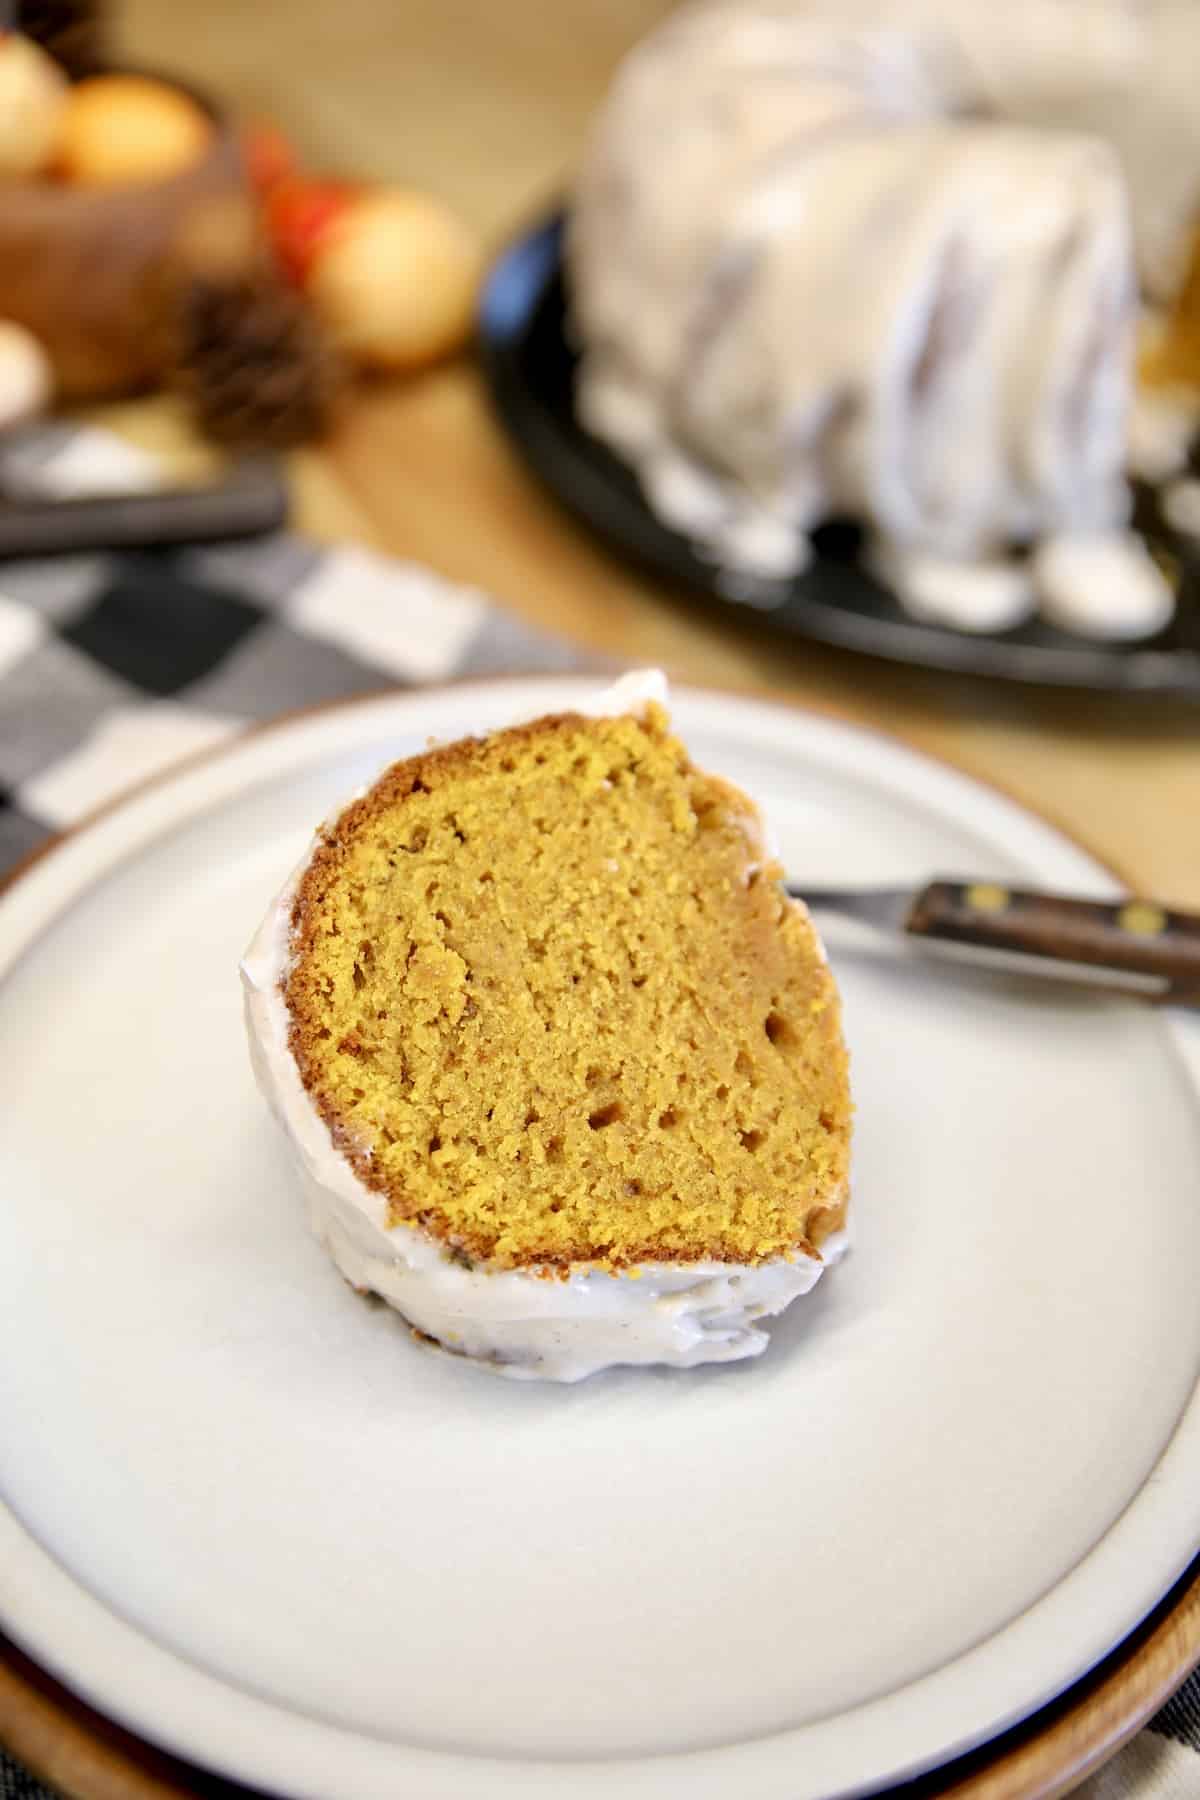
<point>249,500</point>
<point>1127,946</point>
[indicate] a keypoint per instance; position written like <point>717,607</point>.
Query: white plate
<point>255,1522</point>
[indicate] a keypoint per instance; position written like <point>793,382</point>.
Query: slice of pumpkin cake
<point>561,1063</point>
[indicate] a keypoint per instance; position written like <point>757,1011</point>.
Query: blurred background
<point>487,106</point>
<point>300,274</point>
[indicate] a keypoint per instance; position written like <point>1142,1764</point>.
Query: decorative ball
<point>33,96</point>
<point>395,278</point>
<point>300,213</point>
<point>269,155</point>
<point>26,377</point>
<point>120,129</point>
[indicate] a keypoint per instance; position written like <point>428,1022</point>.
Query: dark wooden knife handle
<point>1126,936</point>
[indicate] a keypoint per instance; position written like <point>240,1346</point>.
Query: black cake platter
<point>530,362</point>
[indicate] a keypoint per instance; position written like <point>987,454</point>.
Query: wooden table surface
<point>487,105</point>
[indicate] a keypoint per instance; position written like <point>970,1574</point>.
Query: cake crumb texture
<point>551,1001</point>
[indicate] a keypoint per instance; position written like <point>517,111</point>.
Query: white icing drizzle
<point>1161,428</point>
<point>970,596</point>
<point>1181,506</point>
<point>811,278</point>
<point>1102,585</point>
<point>879,258</point>
<point>514,1322</point>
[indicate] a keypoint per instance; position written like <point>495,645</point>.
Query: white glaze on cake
<point>971,596</point>
<point>1102,584</point>
<point>1161,428</point>
<point>876,258</point>
<point>1181,506</point>
<point>516,1323</point>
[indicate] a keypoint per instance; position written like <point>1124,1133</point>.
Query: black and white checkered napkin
<point>113,667</point>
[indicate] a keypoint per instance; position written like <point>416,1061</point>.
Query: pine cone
<point>253,360</point>
<point>75,32</point>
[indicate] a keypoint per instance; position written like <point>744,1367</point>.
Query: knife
<point>1123,946</point>
<point>249,500</point>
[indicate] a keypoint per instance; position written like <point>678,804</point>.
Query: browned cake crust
<point>551,1001</point>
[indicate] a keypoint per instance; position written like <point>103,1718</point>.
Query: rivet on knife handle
<point>1127,936</point>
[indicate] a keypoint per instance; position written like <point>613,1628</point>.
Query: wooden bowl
<point>85,268</point>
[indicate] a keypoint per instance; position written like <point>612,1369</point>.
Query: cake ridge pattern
<point>878,259</point>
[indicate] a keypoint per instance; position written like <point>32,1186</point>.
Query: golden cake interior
<point>553,1004</point>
